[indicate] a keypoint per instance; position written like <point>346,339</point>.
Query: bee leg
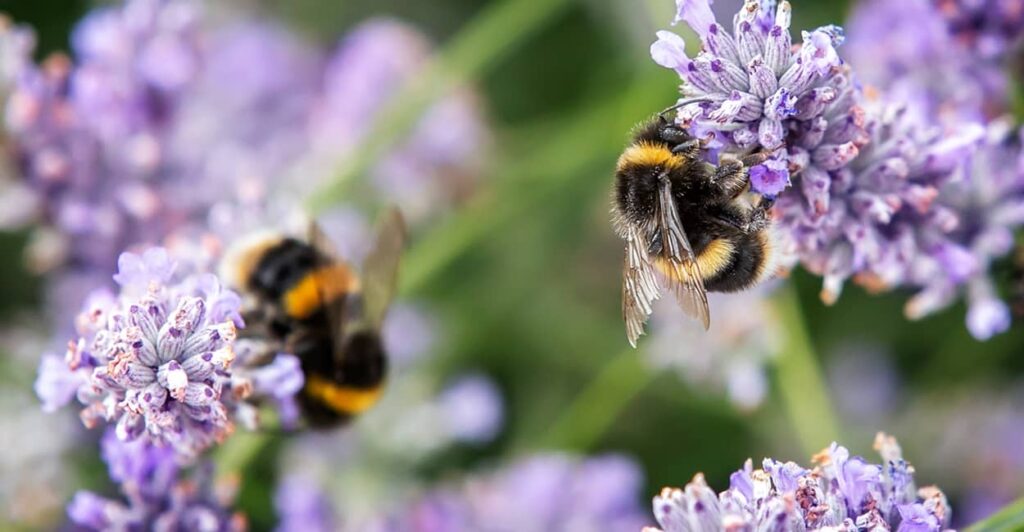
<point>689,149</point>
<point>755,159</point>
<point>730,177</point>
<point>760,217</point>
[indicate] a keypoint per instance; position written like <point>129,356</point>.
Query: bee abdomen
<point>748,264</point>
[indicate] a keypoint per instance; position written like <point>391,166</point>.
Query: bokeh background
<point>514,289</point>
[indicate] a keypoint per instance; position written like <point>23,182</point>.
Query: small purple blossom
<point>989,29</point>
<point>474,409</point>
<point>153,362</point>
<point>731,356</point>
<point>756,91</point>
<point>539,492</point>
<point>840,493</point>
<point>158,498</point>
<point>302,507</point>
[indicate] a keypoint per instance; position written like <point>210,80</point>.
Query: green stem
<point>480,46</point>
<point>238,451</point>
<point>799,378</point>
<point>1009,519</point>
<point>600,403</point>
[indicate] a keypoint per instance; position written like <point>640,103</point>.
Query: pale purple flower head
<point>302,506</point>
<point>154,361</point>
<point>158,498</point>
<point>756,91</point>
<point>840,493</point>
<point>539,492</point>
<point>877,219</point>
<point>437,165</point>
<point>989,29</point>
<point>731,357</point>
<point>473,409</point>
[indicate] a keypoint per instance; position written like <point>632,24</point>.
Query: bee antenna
<point>682,103</point>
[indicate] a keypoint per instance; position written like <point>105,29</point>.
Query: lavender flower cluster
<point>157,360</point>
<point>538,492</point>
<point>869,186</point>
<point>158,495</point>
<point>158,101</point>
<point>840,493</point>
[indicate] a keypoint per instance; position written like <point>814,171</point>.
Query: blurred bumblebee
<point>305,300</point>
<point>687,222</point>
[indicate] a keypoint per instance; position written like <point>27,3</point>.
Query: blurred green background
<point>534,299</point>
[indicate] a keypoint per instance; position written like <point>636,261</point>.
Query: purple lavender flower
<point>754,90</point>
<point>473,409</point>
<point>438,164</point>
<point>540,492</point>
<point>731,356</point>
<point>302,507</point>
<point>908,50</point>
<point>155,361</point>
<point>159,102</point>
<point>157,497</point>
<point>990,29</point>
<point>878,218</point>
<point>989,207</point>
<point>839,493</point>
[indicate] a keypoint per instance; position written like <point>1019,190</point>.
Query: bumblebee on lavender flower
<point>692,224</point>
<point>303,299</point>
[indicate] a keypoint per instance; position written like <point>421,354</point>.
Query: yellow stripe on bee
<point>714,258</point>
<point>318,288</point>
<point>648,154</point>
<point>342,399</point>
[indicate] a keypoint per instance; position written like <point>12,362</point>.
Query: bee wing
<point>380,268</point>
<point>639,286</point>
<point>678,260</point>
<point>337,309</point>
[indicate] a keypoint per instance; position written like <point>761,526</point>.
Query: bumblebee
<point>687,222</point>
<point>305,300</point>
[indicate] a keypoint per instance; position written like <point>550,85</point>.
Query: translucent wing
<point>336,278</point>
<point>639,286</point>
<point>677,260</point>
<point>380,269</point>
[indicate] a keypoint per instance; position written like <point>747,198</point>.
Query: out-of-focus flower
<point>969,439</point>
<point>156,360</point>
<point>731,356</point>
<point>302,507</point>
<point>158,498</point>
<point>878,218</point>
<point>839,493</point>
<point>989,207</point>
<point>540,492</point>
<point>906,50</point>
<point>472,408</point>
<point>159,101</point>
<point>988,28</point>
<point>35,472</point>
<point>439,162</point>
<point>864,383</point>
<point>752,89</point>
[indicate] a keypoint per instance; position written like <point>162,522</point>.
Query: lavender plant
<point>869,187</point>
<point>839,493</point>
<point>157,360</point>
<point>538,492</point>
<point>159,496</point>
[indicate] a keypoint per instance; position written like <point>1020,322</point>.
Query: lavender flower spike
<point>839,493</point>
<point>752,90</point>
<point>155,361</point>
<point>158,498</point>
